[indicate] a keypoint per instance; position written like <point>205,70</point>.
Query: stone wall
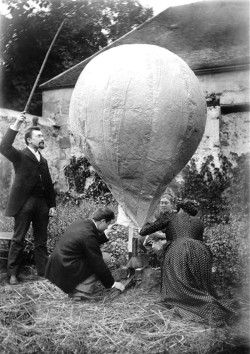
<point>226,133</point>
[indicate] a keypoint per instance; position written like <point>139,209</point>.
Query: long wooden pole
<point>41,69</point>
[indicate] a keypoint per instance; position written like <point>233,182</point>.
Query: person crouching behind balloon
<point>157,240</point>
<point>77,263</point>
<point>165,205</point>
<point>187,267</point>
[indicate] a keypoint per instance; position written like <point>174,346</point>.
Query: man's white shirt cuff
<point>16,130</point>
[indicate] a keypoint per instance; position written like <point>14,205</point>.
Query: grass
<point>37,317</point>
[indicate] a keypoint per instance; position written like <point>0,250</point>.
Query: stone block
<point>64,143</point>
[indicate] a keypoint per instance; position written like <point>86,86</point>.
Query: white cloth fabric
<point>12,128</point>
<point>36,153</point>
<point>123,219</point>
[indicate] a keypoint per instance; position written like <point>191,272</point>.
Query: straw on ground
<point>36,317</point>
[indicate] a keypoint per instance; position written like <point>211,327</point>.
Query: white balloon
<point>141,114</point>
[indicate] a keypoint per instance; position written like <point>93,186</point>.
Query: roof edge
<point>100,51</point>
<point>219,69</point>
<point>204,71</point>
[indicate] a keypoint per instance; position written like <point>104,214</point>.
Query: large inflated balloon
<point>141,114</point>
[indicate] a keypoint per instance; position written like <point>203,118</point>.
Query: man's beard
<point>41,145</point>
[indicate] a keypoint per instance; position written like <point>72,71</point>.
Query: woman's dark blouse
<point>175,226</point>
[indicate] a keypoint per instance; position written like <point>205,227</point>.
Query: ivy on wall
<point>220,190</point>
<point>76,173</point>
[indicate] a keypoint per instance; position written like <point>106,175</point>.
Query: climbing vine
<point>220,190</point>
<point>76,173</point>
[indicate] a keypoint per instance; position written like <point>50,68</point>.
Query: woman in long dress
<point>187,267</point>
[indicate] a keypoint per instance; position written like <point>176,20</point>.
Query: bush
<point>223,194</point>
<point>4,194</point>
<point>67,212</point>
<point>5,182</point>
<point>221,191</point>
<point>76,173</point>
<point>117,247</point>
<point>229,244</point>
<point>237,194</point>
<point>6,223</point>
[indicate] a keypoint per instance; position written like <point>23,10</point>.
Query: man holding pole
<point>32,196</point>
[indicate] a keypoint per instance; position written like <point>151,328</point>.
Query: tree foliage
<point>30,26</point>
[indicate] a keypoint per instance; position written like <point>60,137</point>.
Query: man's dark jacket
<point>27,174</point>
<point>77,255</point>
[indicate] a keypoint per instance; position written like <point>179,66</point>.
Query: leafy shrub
<point>5,181</point>
<point>223,194</point>
<point>4,194</point>
<point>237,194</point>
<point>221,191</point>
<point>117,247</point>
<point>76,173</point>
<point>67,212</point>
<point>99,191</point>
<point>6,223</point>
<point>70,211</point>
<point>230,247</point>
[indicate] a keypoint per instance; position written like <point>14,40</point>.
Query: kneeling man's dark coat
<point>77,255</point>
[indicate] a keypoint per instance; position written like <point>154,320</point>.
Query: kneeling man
<point>77,262</point>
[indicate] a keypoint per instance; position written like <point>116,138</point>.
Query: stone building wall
<point>226,133</point>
